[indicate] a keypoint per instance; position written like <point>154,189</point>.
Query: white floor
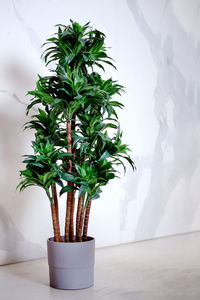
<point>167,268</point>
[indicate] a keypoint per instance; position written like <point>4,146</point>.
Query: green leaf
<point>21,182</point>
<point>56,101</point>
<point>36,164</point>
<point>45,177</point>
<point>59,182</point>
<point>83,188</point>
<point>67,176</point>
<point>95,196</point>
<point>31,105</point>
<point>116,103</point>
<point>67,188</point>
<point>110,125</point>
<point>105,155</point>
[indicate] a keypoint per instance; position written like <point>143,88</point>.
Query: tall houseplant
<point>77,143</point>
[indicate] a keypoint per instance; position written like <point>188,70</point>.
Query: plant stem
<point>78,215</point>
<point>55,197</point>
<point>73,129</point>
<point>55,218</point>
<point>71,229</point>
<point>56,229</point>
<point>86,221</point>
<point>69,144</point>
<point>70,193</point>
<point>71,225</point>
<point>81,225</point>
<point>67,219</point>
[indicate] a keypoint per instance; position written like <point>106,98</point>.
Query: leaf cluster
<point>75,93</point>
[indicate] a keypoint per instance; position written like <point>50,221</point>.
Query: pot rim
<point>89,240</point>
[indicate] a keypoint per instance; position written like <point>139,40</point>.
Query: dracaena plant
<point>78,142</point>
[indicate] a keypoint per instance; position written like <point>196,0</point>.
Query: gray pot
<point>71,265</point>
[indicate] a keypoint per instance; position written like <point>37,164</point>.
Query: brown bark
<point>56,227</point>
<point>86,221</point>
<point>71,226</point>
<point>78,215</point>
<point>69,144</point>
<point>68,213</point>
<point>73,129</point>
<point>70,193</point>
<point>79,237</point>
<point>56,203</point>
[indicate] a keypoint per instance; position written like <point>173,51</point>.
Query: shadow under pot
<point>71,265</point>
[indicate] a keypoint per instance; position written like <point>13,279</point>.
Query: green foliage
<point>75,93</point>
<point>77,47</point>
<point>42,168</point>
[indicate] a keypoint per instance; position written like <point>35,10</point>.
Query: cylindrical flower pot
<point>71,265</point>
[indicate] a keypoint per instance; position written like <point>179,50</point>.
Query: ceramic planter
<point>71,265</point>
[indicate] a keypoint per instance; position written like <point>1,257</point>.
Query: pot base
<point>75,279</point>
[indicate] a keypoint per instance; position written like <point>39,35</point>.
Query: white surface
<point>156,47</point>
<point>160,269</point>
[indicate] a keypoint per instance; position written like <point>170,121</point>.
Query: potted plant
<point>77,145</point>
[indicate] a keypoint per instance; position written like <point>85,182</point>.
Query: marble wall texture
<point>156,45</point>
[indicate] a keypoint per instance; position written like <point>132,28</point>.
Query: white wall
<point>156,47</point>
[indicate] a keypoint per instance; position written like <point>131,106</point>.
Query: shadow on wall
<point>177,148</point>
<point>13,245</point>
